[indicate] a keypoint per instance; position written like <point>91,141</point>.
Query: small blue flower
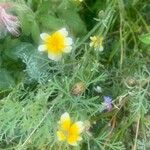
<point>108,102</point>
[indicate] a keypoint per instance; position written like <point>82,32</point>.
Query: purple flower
<point>108,102</point>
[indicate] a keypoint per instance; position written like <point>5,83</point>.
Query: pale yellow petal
<point>91,44</point>
<point>44,36</point>
<point>73,139</point>
<point>55,57</point>
<point>67,49</point>
<point>79,138</point>
<point>69,41</point>
<point>63,31</point>
<point>101,48</point>
<point>61,136</point>
<point>93,38</point>
<point>65,122</point>
<point>42,48</point>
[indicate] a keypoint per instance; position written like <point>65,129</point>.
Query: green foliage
<point>35,91</point>
<point>50,22</point>
<point>6,80</point>
<point>145,38</point>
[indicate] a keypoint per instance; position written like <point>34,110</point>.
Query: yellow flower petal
<point>76,128</point>
<point>65,122</point>
<point>73,139</point>
<point>61,136</point>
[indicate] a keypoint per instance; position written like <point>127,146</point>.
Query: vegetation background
<point>35,91</point>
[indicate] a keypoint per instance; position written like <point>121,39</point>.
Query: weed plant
<point>35,91</point>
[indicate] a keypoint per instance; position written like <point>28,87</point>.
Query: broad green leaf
<point>8,45</point>
<point>25,25</point>
<point>35,32</point>
<point>27,18</point>
<point>145,38</point>
<point>51,22</point>
<point>74,21</point>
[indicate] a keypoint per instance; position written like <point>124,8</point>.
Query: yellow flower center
<point>56,43</point>
<point>73,130</point>
<point>98,41</point>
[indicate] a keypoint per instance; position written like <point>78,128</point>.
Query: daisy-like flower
<point>9,22</point>
<point>56,44</point>
<point>97,43</point>
<point>69,131</point>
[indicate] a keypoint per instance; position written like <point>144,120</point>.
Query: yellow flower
<point>69,131</point>
<point>97,42</point>
<point>56,44</point>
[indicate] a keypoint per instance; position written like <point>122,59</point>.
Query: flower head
<point>108,102</point>
<point>9,22</point>
<point>78,88</point>
<point>56,44</point>
<point>69,131</point>
<point>96,42</point>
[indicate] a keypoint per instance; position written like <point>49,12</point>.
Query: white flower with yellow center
<point>56,44</point>
<point>97,43</point>
<point>69,131</point>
